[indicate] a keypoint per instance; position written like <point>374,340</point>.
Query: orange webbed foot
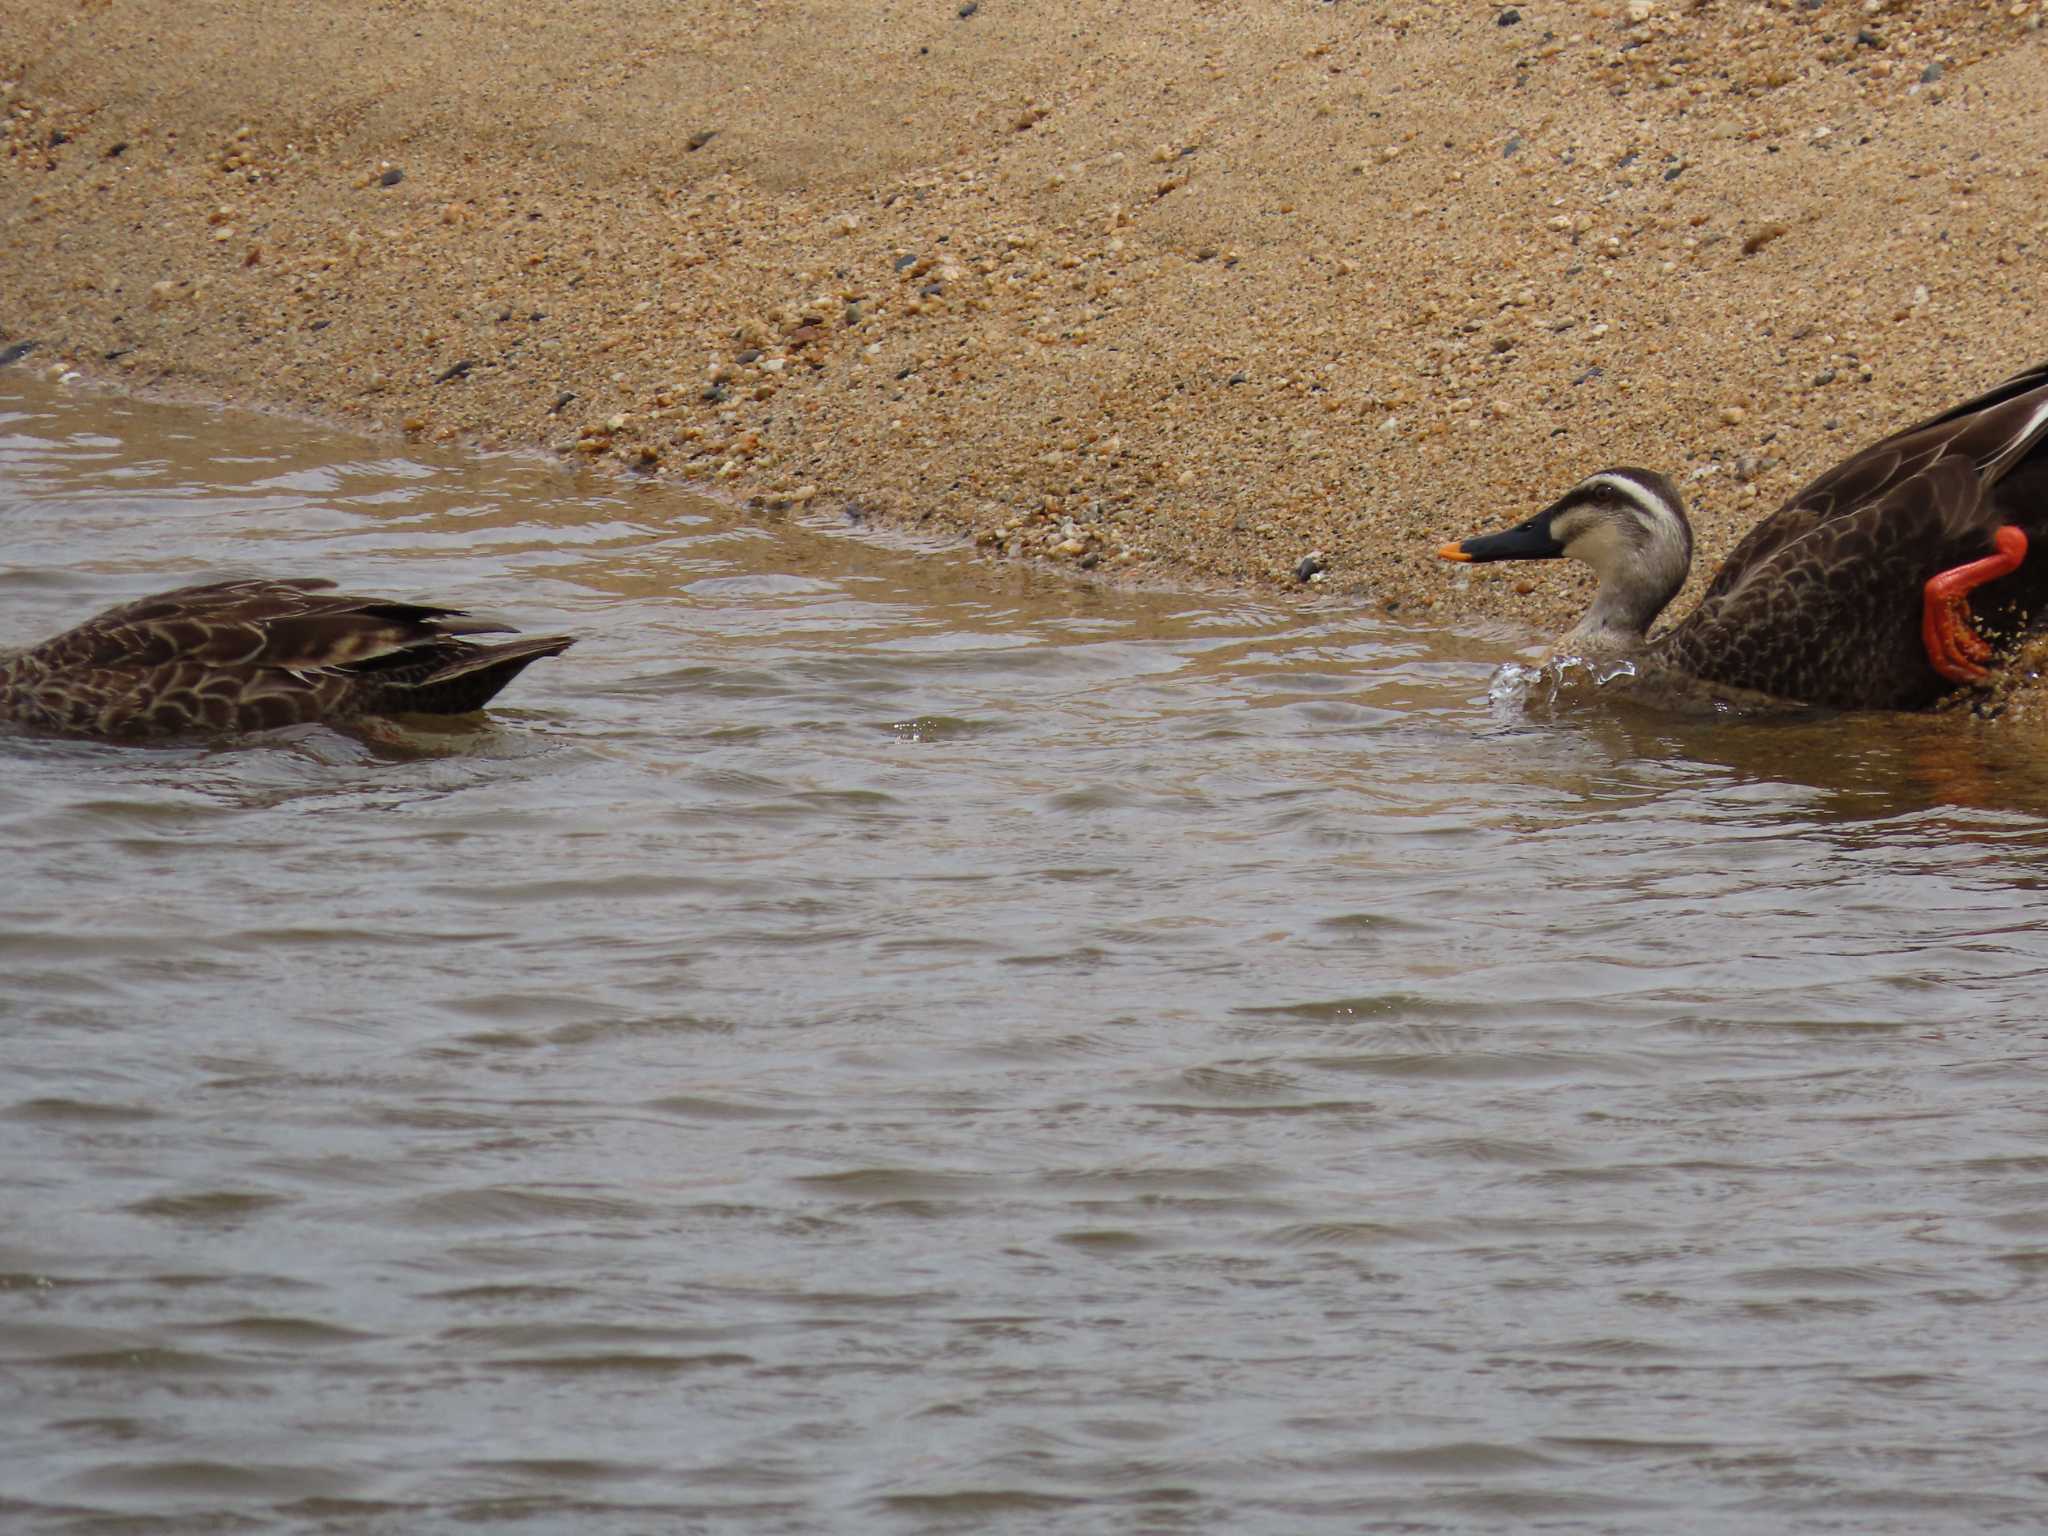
<point>1954,648</point>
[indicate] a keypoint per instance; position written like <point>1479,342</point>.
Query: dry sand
<point>1187,290</point>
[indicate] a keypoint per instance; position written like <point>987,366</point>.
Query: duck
<point>1855,594</point>
<point>256,653</point>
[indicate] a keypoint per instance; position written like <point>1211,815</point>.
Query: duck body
<point>251,655</point>
<point>1829,599</point>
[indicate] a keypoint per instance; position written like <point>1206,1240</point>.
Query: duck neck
<point>1618,620</point>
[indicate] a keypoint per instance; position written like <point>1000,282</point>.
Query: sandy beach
<point>1268,294</point>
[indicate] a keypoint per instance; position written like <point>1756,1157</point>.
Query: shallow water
<point>876,1042</point>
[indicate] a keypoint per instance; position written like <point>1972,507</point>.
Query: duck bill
<point>1529,541</point>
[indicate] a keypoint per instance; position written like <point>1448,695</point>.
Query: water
<point>880,1043</point>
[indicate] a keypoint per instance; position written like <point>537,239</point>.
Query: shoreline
<point>1275,291</point>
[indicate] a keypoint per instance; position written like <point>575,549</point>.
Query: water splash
<point>1560,682</point>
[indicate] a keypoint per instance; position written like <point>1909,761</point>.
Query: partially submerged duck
<point>1856,593</point>
<point>250,655</point>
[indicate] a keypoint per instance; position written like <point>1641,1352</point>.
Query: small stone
<point>1507,18</point>
<point>969,9</point>
<point>1763,237</point>
<point>1931,73</point>
<point>391,177</point>
<point>1310,565</point>
<point>699,139</point>
<point>1824,377</point>
<point>1733,415</point>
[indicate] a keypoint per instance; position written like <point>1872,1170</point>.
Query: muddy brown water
<point>871,1041</point>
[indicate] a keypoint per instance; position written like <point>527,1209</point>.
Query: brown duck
<point>249,655</point>
<point>1856,592</point>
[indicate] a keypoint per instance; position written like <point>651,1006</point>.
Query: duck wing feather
<point>1830,612</point>
<point>1993,433</point>
<point>253,654</point>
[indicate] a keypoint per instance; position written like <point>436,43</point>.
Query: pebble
<point>1507,18</point>
<point>1763,237</point>
<point>391,178</point>
<point>1310,565</point>
<point>1733,415</point>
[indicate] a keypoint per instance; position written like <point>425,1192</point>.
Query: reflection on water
<point>883,1043</point>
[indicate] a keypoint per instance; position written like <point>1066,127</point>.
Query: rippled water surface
<point>875,1042</point>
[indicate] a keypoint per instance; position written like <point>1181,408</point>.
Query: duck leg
<point>1954,648</point>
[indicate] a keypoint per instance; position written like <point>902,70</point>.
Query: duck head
<point>1628,525</point>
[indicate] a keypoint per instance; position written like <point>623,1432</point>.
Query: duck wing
<point>1994,433</point>
<point>1827,608</point>
<point>253,654</point>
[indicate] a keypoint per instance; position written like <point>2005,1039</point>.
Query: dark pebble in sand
<point>391,178</point>
<point>1309,565</point>
<point>1508,17</point>
<point>16,353</point>
<point>969,9</point>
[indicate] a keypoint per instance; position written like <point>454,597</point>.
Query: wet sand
<point>1221,292</point>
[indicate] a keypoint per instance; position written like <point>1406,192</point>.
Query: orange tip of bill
<point>1451,552</point>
